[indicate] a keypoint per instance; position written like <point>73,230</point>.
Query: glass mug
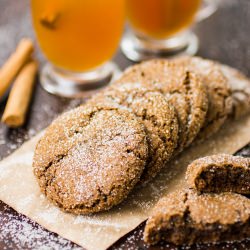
<point>78,38</point>
<point>161,28</point>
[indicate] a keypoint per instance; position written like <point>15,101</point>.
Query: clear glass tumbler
<point>78,38</point>
<point>162,28</point>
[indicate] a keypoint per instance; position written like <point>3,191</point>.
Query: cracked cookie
<point>91,158</point>
<point>186,218</point>
<point>220,173</point>
<point>240,86</point>
<point>182,88</point>
<point>157,115</point>
<point>218,89</point>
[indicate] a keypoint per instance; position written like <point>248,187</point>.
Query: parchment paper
<point>19,189</point>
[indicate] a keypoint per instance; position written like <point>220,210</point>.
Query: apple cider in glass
<point>78,38</point>
<point>161,18</point>
<point>163,28</point>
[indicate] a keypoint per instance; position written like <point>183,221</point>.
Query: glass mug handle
<point>208,8</point>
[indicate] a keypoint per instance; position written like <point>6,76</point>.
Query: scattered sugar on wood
<point>25,234</point>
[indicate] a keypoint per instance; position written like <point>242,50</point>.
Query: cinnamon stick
<point>15,62</point>
<point>49,20</point>
<point>20,95</point>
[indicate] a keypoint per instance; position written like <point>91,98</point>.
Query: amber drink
<point>163,27</point>
<point>78,38</point>
<point>161,18</point>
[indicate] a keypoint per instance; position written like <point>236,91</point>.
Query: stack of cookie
<point>91,158</point>
<point>213,209</point>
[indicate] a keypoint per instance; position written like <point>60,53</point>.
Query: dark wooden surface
<point>224,37</point>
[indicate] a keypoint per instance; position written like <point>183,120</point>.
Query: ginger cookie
<point>186,218</point>
<point>218,89</point>
<point>220,173</point>
<point>240,86</point>
<point>182,88</point>
<point>157,115</point>
<point>91,158</point>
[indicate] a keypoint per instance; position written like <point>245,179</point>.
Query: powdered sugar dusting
<point>51,215</point>
<point>25,234</point>
<point>101,151</point>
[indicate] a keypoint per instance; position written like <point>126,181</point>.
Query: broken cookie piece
<point>220,173</point>
<point>186,218</point>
